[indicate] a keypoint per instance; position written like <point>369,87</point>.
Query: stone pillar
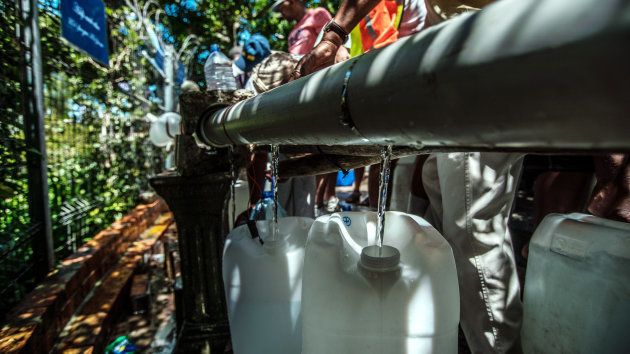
<point>197,193</point>
<point>198,205</point>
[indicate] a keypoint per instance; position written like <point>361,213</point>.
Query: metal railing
<point>73,225</point>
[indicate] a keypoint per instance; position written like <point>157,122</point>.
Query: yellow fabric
<point>399,13</point>
<point>356,46</point>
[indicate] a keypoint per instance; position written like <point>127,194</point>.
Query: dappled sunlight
<point>76,281</point>
<point>90,255</point>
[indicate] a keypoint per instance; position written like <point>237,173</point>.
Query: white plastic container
<point>263,286</point>
<point>577,288</point>
<point>383,305</point>
<point>164,128</point>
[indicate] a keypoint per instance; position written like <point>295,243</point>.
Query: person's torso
<point>303,35</point>
<point>413,18</point>
<point>388,21</point>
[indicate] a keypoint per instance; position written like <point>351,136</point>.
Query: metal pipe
<point>520,74</point>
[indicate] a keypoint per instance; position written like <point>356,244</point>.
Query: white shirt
<point>413,17</point>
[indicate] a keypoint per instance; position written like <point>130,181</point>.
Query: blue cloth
<point>254,51</point>
<point>347,180</point>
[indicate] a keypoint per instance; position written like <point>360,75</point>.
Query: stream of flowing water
<point>386,157</point>
<point>275,152</point>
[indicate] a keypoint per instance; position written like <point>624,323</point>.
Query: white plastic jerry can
<point>358,299</point>
<point>263,286</point>
<point>577,287</point>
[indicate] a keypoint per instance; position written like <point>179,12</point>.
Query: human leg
<point>304,196</point>
<point>321,188</point>
<point>330,198</point>
<point>356,192</point>
<point>476,191</point>
<point>418,201</point>
<point>331,183</point>
<point>431,186</point>
<point>256,176</point>
<point>374,181</point>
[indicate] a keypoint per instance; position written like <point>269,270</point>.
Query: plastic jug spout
<point>383,259</point>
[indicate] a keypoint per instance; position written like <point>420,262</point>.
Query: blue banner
<point>83,25</point>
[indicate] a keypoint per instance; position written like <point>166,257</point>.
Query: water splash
<point>275,156</point>
<point>386,157</point>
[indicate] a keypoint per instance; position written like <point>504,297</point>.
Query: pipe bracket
<point>346,118</point>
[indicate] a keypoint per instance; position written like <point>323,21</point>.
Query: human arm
<point>323,55</point>
<point>351,12</point>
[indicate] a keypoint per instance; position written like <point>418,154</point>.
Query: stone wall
<point>34,324</point>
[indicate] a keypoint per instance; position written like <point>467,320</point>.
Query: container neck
<point>380,259</point>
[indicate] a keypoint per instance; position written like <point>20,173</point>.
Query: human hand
<point>322,56</point>
<point>342,55</point>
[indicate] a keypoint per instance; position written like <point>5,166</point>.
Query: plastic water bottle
<point>218,71</point>
<point>263,210</point>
